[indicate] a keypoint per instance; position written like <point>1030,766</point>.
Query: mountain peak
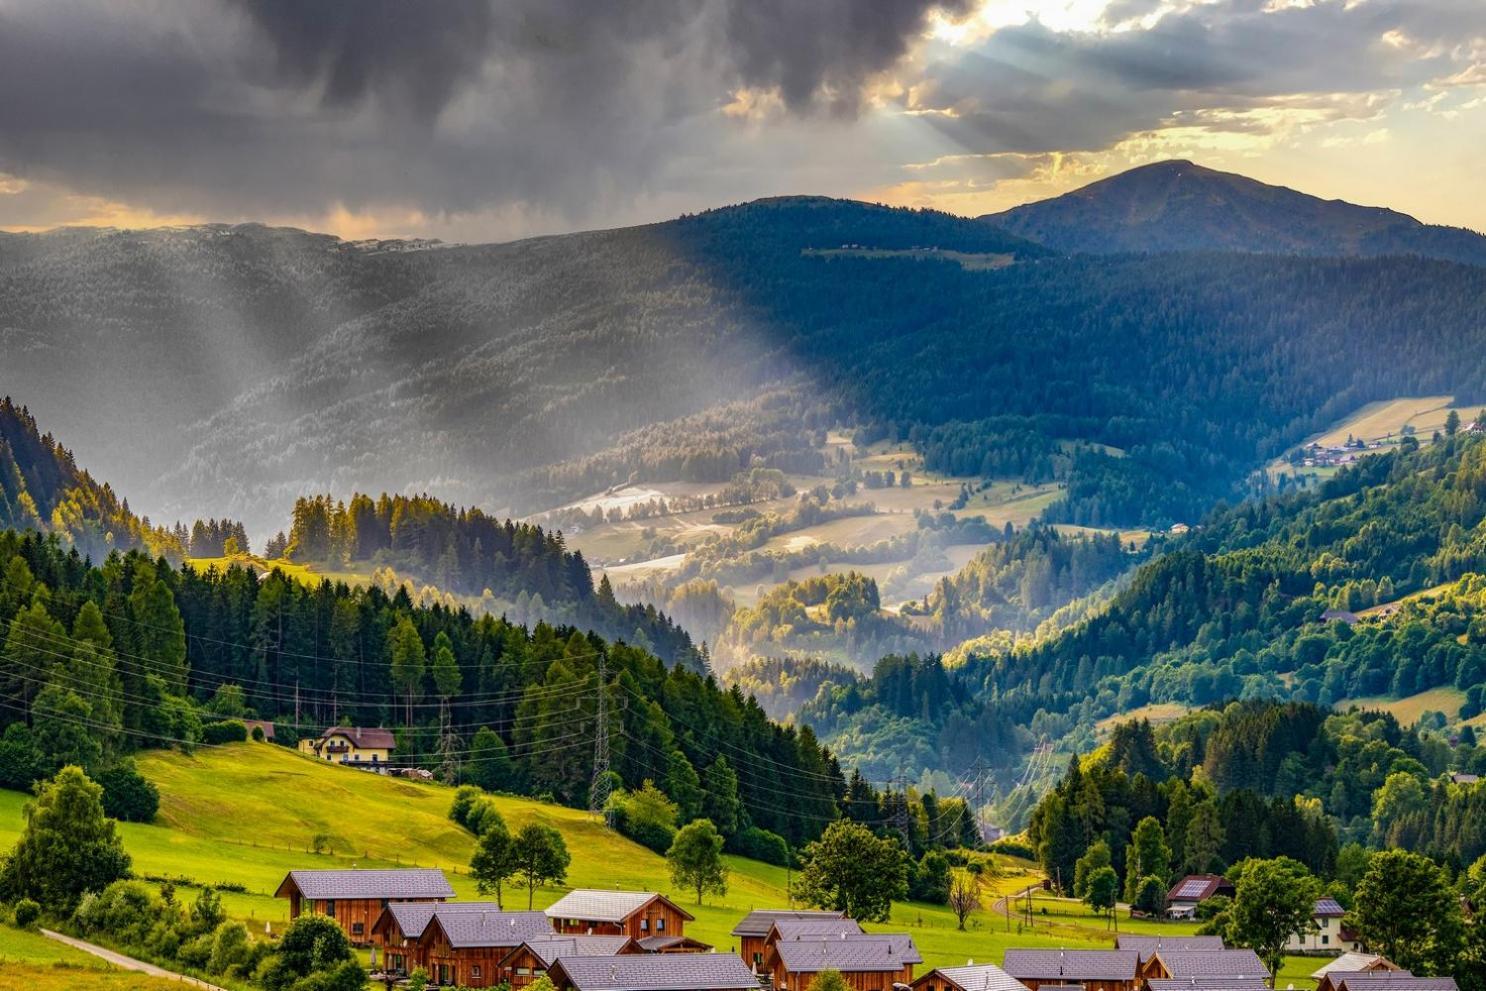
<point>1178,205</point>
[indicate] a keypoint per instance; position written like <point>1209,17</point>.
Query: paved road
<point>128,963</point>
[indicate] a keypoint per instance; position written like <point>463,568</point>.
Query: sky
<point>488,120</point>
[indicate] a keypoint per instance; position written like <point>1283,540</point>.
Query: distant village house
<point>353,746</point>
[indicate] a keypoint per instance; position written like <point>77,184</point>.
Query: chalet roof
<point>1073,965</point>
<point>759,922</point>
<point>657,972</point>
<point>658,944</point>
<point>1196,888</point>
<point>549,949</point>
<point>369,738</point>
<point>1328,908</point>
<point>1147,946</point>
<point>1352,963</point>
<point>973,977</point>
<point>1225,963</point>
<point>599,905</point>
<point>866,952</point>
<point>485,928</point>
<point>814,928</point>
<point>1391,980</point>
<point>1247,983</point>
<point>409,884</point>
<point>413,917</point>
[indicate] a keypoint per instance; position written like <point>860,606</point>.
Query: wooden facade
<point>470,966</point>
<point>858,980</point>
<point>522,965</point>
<point>356,899</point>
<point>1087,984</point>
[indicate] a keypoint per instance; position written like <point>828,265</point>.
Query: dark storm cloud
<point>284,107</point>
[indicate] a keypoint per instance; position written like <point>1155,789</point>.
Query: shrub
<point>465,798</point>
<point>230,948</point>
<point>1014,848</point>
<point>125,910</point>
<point>760,844</point>
<point>197,952</point>
<point>484,816</point>
<point>226,731</point>
<point>27,912</point>
<point>127,794</point>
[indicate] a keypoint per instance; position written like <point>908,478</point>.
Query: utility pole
<point>598,790</point>
<point>900,812</point>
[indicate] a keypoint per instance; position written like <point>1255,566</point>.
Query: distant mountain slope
<point>219,370</point>
<point>42,488</point>
<point>1179,206</point>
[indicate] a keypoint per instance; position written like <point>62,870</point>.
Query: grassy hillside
<point>31,961</point>
<point>248,813</point>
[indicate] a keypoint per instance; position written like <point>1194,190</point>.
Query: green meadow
<point>246,814</point>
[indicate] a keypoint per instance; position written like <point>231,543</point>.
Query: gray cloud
<point>279,107</point>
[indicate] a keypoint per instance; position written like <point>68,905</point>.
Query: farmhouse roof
<point>1073,965</point>
<point>367,738</point>
<point>1147,946</point>
<point>1328,908</point>
<point>483,928</point>
<point>549,949</point>
<point>1390,980</point>
<point>409,884</point>
<point>656,972</point>
<point>1211,963</point>
<point>660,944</point>
<point>871,952</point>
<point>760,921</point>
<point>973,977</point>
<point>598,905</point>
<point>1197,887</point>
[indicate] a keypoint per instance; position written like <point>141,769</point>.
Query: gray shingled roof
<point>977,977</point>
<point>599,905</point>
<point>1392,980</point>
<point>815,928</point>
<point>1212,963</point>
<point>1208,984</point>
<point>1073,965</point>
<point>488,928</point>
<point>1353,963</point>
<point>398,885</point>
<point>413,917</point>
<point>549,949</point>
<point>655,944</point>
<point>658,972</point>
<point>760,921</point>
<point>869,952</point>
<point>1148,945</point>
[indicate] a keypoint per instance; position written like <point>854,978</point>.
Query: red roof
<point>1198,887</point>
<point>367,739</point>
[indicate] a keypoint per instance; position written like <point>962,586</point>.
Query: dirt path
<point>127,963</point>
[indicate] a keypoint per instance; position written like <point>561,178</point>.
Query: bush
<point>125,910</point>
<point>127,795</point>
<point>484,816</point>
<point>465,798</point>
<point>230,948</point>
<point>226,731</point>
<point>760,844</point>
<point>197,952</point>
<point>931,879</point>
<point>27,913</point>
<point>1014,848</point>
<point>20,764</point>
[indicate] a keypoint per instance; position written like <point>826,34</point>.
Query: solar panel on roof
<point>1191,889</point>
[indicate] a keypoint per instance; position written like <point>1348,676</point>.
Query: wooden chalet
<point>753,929</point>
<point>868,961</point>
<point>397,934</point>
<point>653,972</point>
<point>535,957</point>
<point>672,944</point>
<point>1354,962</point>
<point>1091,970</point>
<point>971,977</point>
<point>355,898</point>
<point>467,947</point>
<point>636,914</point>
<point>1225,963</point>
<point>1383,980</point>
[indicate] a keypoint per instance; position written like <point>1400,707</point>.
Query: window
<point>660,924</point>
<point>1325,939</point>
<point>523,971</point>
<point>475,970</point>
<point>758,958</point>
<point>538,972</point>
<point>330,908</point>
<point>644,925</point>
<point>357,928</point>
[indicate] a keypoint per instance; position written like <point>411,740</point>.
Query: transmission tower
<point>598,791</point>
<point>900,812</point>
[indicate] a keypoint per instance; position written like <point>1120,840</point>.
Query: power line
<point>598,792</point>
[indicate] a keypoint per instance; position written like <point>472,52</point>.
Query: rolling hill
<point>1181,206</point>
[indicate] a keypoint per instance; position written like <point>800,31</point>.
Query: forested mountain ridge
<point>470,371</point>
<point>1181,206</point>
<point>41,487</point>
